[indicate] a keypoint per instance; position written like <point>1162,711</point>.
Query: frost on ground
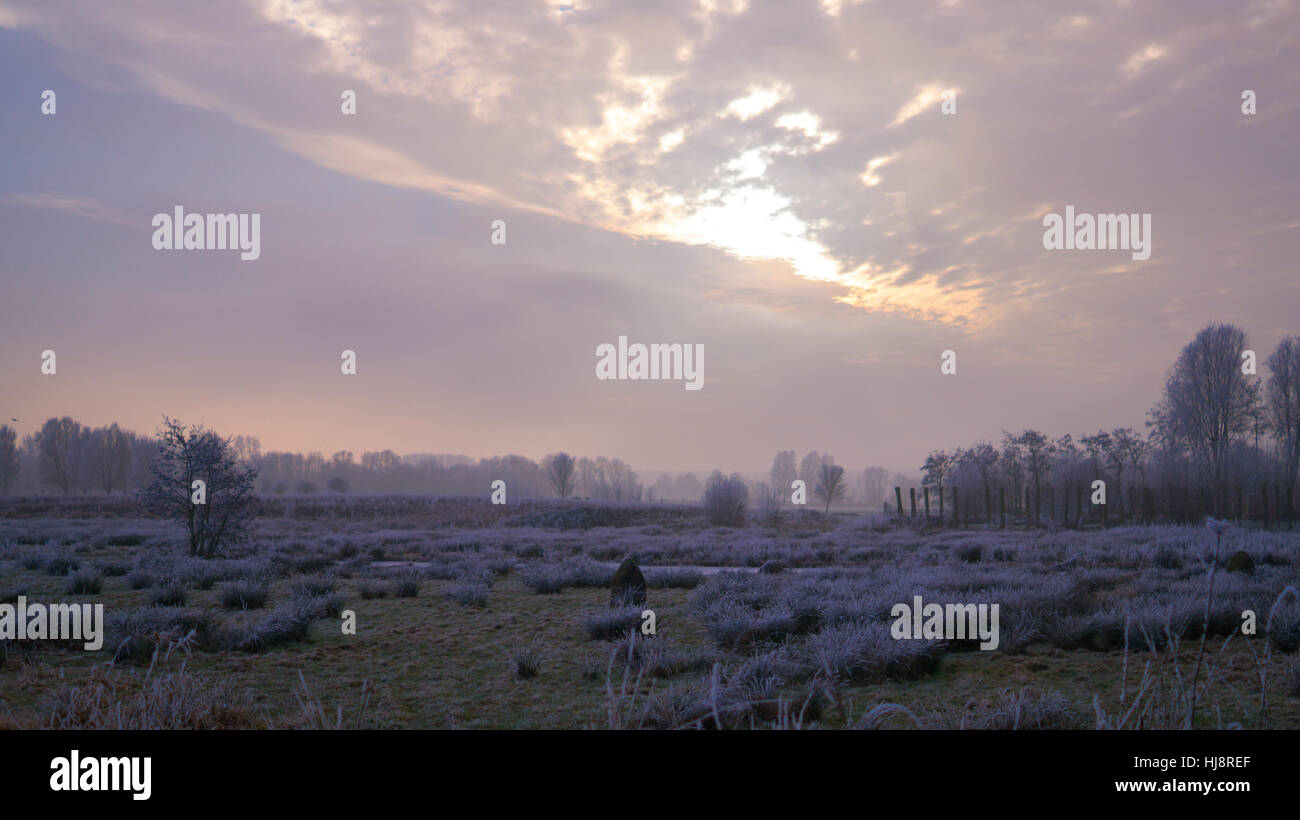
<point>473,615</point>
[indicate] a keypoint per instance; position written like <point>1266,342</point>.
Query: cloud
<point>76,205</point>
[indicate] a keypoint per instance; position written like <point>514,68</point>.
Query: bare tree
<point>1013,466</point>
<point>1038,451</point>
<point>1208,400</point>
<point>937,467</point>
<point>725,499</point>
<point>783,474</point>
<point>830,484</point>
<point>874,484</point>
<point>1283,395</point>
<point>60,445</point>
<point>185,456</point>
<point>10,462</point>
<point>984,456</point>
<point>561,469</point>
<point>809,466</point>
<point>1119,449</point>
<point>110,457</point>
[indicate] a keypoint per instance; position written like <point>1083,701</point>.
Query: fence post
<point>926,490</point>
<point>912,491</point>
<point>898,496</point>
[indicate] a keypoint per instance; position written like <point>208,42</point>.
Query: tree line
<point>1221,440</point>
<point>67,457</point>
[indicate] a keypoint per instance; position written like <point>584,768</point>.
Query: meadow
<point>470,615</point>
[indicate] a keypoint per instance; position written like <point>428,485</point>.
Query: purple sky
<point>775,181</point>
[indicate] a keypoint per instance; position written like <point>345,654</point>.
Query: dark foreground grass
<point>428,662</point>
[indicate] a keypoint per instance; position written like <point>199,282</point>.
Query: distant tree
<point>1013,466</point>
<point>338,484</point>
<point>561,469</point>
<point>306,487</point>
<point>783,474</point>
<point>110,457</point>
<point>663,488</point>
<point>830,484</point>
<point>60,445</point>
<point>1119,452</point>
<point>379,462</point>
<point>937,467</point>
<point>1208,402</point>
<point>10,461</point>
<point>687,486</point>
<point>1038,451</point>
<point>725,498</point>
<point>874,484</point>
<point>809,466</point>
<point>1283,396</point>
<point>984,457</point>
<point>198,454</point>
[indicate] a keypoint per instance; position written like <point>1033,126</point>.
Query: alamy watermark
<point>683,362</point>
<point>949,622</point>
<point>208,232</point>
<point>1086,232</point>
<point>23,621</point>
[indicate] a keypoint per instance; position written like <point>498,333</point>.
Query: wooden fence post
<point>926,490</point>
<point>912,491</point>
<point>898,496</point>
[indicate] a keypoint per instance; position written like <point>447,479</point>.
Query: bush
<point>611,624</point>
<point>286,623</point>
<point>526,660</point>
<point>231,503</point>
<point>114,569</point>
<point>245,594</point>
<point>60,565</point>
<point>314,586</point>
<point>470,594</point>
<point>408,586</point>
<point>171,593</point>
<point>85,582</point>
<point>725,499</point>
<point>374,589</point>
<point>138,579</point>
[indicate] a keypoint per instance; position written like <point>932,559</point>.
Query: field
<point>470,615</point>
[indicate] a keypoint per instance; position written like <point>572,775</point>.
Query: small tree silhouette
<point>199,454</point>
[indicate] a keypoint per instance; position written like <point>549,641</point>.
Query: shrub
<point>408,586</point>
<point>289,622</point>
<point>227,514</point>
<point>138,579</point>
<point>526,660</point>
<point>725,499</point>
<point>171,593</point>
<point>374,589</point>
<point>85,582</point>
<point>60,565</point>
<point>314,586</point>
<point>611,624</point>
<point>469,594</point>
<point>247,594</point>
<point>114,569</point>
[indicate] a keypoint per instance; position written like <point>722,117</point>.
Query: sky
<point>776,181</point>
